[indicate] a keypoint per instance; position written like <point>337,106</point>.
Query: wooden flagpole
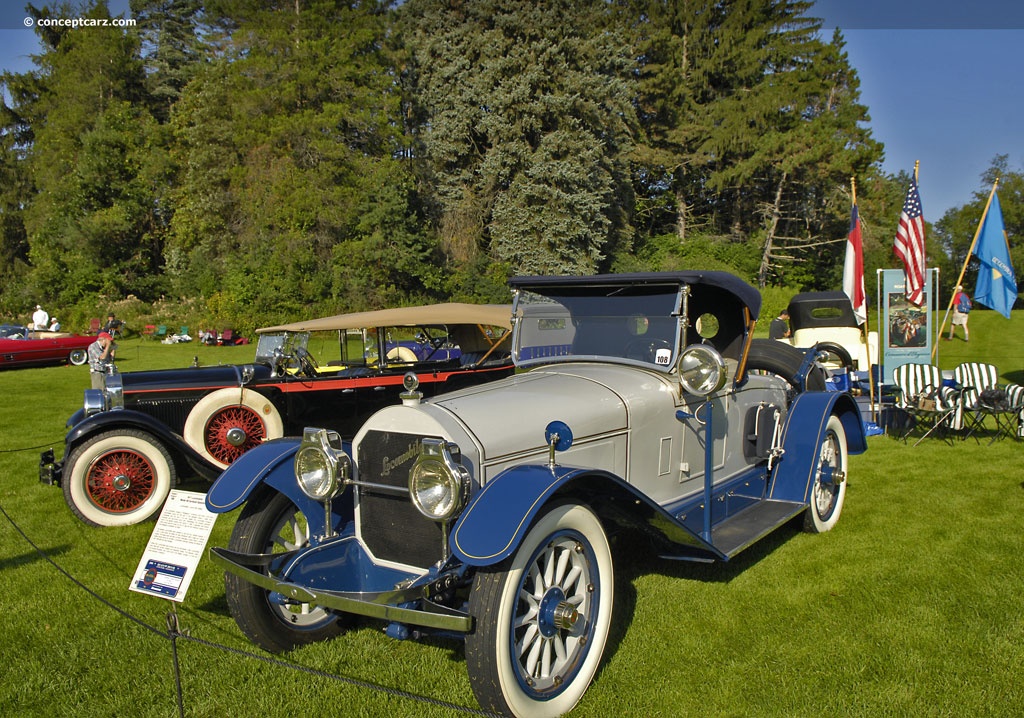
<point>865,329</point>
<point>963,270</point>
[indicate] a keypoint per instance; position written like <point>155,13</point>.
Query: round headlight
<point>434,490</point>
<point>437,483</point>
<point>317,473</point>
<point>701,370</point>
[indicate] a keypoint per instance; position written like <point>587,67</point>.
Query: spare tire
<point>225,424</point>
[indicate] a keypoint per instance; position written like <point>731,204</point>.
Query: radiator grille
<point>389,524</point>
<point>171,412</point>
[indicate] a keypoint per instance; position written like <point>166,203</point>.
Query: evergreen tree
<point>527,125</point>
<point>93,223</point>
<point>294,189</point>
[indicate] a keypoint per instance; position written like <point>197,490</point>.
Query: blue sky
<point>943,81</point>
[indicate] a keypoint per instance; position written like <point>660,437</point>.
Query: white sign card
<point>175,547</point>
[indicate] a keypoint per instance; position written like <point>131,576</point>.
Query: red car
<point>20,347</point>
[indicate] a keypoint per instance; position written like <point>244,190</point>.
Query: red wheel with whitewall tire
<point>118,478</point>
<point>225,424</point>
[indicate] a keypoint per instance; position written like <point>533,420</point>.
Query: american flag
<point>909,245</point>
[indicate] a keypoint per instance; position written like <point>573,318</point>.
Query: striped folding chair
<point>982,397</point>
<point>921,394</point>
<point>1015,397</point>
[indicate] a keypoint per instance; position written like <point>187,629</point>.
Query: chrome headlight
<point>701,370</point>
<point>437,482</point>
<point>320,469</point>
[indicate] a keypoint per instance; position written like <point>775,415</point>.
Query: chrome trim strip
<point>372,605</point>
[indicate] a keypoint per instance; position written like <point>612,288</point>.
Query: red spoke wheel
<point>232,431</point>
<point>118,478</point>
<point>226,423</point>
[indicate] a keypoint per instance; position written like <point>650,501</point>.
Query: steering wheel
<point>307,364</point>
<point>645,349</point>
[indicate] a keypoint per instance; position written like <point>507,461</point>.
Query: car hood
<point>192,377</point>
<point>509,417</point>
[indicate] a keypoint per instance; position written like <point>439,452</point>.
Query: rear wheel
<point>828,491</point>
<point>118,478</point>
<point>271,524</point>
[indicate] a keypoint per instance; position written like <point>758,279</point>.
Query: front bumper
<point>49,468</point>
<point>384,605</point>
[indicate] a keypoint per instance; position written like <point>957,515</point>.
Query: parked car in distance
<point>131,441</point>
<point>826,320</point>
<point>22,347</point>
<point>643,404</point>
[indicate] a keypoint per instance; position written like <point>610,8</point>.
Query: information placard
<point>175,547</point>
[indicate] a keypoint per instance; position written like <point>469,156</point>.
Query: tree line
<point>252,161</point>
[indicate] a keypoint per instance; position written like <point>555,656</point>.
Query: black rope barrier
<point>174,633</point>
<point>47,445</point>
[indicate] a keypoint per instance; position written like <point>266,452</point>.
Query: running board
<point>740,531</point>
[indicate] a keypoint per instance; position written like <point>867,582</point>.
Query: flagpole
<point>864,329</point>
<point>963,270</point>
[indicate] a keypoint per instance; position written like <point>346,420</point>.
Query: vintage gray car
<point>642,404</point>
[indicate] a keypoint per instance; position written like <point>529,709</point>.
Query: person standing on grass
<point>779,328</point>
<point>101,355</point>
<point>40,319</point>
<point>961,307</point>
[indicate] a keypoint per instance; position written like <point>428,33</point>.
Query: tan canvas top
<point>494,315</point>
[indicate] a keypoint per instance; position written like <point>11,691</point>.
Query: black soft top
<point>720,283</point>
<point>819,310</point>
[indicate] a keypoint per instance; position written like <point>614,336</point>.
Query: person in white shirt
<point>40,318</point>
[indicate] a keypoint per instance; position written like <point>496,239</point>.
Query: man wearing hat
<point>101,355</point>
<point>40,319</point>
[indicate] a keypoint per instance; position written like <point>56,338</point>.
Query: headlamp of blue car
<point>438,483</point>
<point>321,469</point>
<point>702,370</point>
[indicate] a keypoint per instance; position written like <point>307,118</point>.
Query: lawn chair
<point>94,325</point>
<point>921,394</point>
<point>982,397</point>
<point>161,332</point>
<point>1015,397</point>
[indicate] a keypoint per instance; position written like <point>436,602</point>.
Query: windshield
<point>632,324</point>
<point>283,343</point>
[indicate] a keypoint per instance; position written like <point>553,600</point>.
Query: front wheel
<point>271,524</point>
<point>542,617</point>
<point>828,491</point>
<point>78,357</point>
<point>118,478</point>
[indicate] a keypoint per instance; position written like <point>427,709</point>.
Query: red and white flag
<point>909,245</point>
<point>853,269</point>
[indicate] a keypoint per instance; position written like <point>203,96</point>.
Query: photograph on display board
<point>908,324</point>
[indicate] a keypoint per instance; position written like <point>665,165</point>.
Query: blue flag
<point>997,286</point>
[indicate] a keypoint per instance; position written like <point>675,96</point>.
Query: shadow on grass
<point>31,557</point>
<point>1016,376</point>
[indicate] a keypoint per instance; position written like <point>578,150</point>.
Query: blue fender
<point>269,463</point>
<point>802,437</point>
<point>496,520</point>
<point>129,419</point>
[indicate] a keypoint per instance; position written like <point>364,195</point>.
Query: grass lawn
<point>912,606</point>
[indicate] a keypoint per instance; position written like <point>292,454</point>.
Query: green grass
<point>910,607</point>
